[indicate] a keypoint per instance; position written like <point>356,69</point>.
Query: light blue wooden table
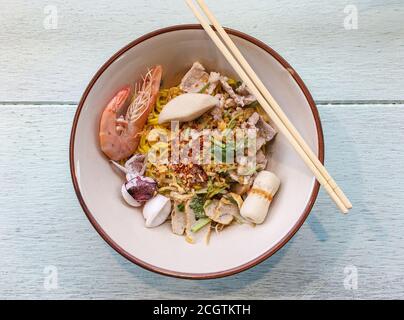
<point>355,75</point>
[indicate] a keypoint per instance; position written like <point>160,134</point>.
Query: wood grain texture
<point>42,224</point>
<point>38,64</point>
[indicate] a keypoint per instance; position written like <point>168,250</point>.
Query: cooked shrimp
<point>124,118</point>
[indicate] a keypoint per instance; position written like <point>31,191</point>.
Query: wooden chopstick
<point>237,54</point>
<point>281,126</point>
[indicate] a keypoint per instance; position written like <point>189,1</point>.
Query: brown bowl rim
<point>244,266</point>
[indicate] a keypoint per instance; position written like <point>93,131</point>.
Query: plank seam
<point>318,102</point>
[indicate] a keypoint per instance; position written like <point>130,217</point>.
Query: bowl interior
<point>99,185</point>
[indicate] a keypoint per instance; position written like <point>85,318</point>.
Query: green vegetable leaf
<point>254,104</point>
<point>216,191</point>
<point>181,207</point>
<point>233,121</point>
<point>196,205</point>
<point>200,224</point>
<point>204,88</point>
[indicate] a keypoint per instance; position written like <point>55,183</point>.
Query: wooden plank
<point>42,225</point>
<point>337,64</point>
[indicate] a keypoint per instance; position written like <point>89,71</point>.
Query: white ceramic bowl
<point>98,186</point>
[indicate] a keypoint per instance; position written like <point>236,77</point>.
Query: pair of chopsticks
<point>247,75</point>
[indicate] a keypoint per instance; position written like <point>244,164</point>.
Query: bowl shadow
<point>333,231</point>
